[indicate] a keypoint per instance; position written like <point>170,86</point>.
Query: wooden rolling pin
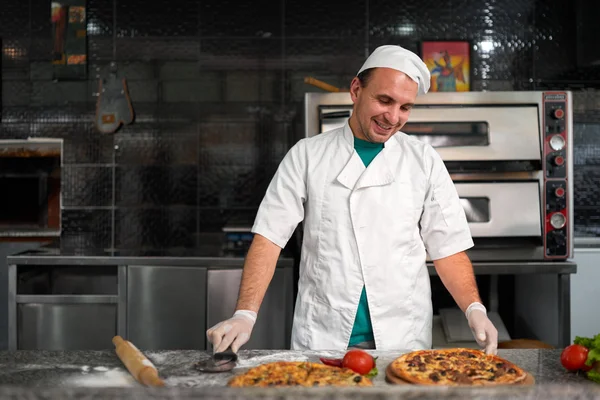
<point>138,365</point>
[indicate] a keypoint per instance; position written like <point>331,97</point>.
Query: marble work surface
<point>100,374</point>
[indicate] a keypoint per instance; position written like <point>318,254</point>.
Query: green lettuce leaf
<point>584,341</point>
<point>596,343</point>
<point>594,376</point>
<point>372,373</point>
<point>593,355</point>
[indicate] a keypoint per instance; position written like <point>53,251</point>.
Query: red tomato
<point>358,361</point>
<point>573,357</point>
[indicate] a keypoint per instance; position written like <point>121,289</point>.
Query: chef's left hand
<point>483,329</point>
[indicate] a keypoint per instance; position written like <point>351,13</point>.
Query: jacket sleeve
<point>443,224</point>
<point>282,207</point>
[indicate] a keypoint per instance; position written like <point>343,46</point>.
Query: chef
<point>374,202</point>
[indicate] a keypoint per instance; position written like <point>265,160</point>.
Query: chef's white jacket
<point>364,226</point>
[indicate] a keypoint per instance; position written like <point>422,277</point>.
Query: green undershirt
<point>363,330</point>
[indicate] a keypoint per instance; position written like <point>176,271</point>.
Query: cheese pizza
<point>296,373</point>
<point>455,367</point>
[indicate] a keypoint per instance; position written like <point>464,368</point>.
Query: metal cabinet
<point>166,307</point>
<point>273,325</point>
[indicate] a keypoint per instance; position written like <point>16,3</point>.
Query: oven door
<point>504,218</point>
<point>464,133</point>
<point>478,133</point>
<point>502,209</point>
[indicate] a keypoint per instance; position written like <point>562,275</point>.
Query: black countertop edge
<point>548,391</point>
<point>480,268</point>
<point>221,262</point>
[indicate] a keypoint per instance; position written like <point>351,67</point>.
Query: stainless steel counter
<point>167,300</point>
<point>211,257</point>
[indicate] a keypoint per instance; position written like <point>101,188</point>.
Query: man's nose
<point>393,116</point>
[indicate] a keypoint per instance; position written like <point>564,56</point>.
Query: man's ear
<point>355,88</point>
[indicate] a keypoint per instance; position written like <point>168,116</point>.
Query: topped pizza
<point>298,373</point>
<point>455,367</point>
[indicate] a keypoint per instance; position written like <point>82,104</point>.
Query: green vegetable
<point>585,342</point>
<point>374,372</point>
<point>594,376</point>
<point>593,358</point>
<point>593,355</point>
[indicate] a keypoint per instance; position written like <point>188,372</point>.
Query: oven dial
<point>557,142</point>
<point>559,113</point>
<point>557,220</point>
<point>559,161</point>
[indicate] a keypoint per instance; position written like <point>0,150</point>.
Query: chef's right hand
<point>234,332</point>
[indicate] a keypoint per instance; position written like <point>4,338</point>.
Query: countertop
<point>208,255</point>
<point>214,256</point>
<point>100,374</point>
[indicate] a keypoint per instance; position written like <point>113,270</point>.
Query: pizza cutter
<point>220,362</point>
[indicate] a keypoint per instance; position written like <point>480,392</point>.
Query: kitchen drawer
<point>66,326</point>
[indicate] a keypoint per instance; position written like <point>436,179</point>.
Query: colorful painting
<point>69,29</point>
<point>450,65</point>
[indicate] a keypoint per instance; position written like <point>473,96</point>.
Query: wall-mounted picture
<point>449,63</point>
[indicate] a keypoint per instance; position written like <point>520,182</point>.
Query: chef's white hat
<point>402,60</point>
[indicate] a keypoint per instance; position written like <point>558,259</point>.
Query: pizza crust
<point>456,367</point>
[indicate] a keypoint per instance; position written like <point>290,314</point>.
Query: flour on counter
<point>101,369</point>
<point>115,377</point>
<point>254,361</point>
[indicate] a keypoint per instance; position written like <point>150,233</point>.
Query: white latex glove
<point>235,331</point>
<point>484,331</point>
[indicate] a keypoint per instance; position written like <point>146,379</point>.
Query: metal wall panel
<point>218,87</point>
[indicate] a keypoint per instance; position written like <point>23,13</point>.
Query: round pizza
<point>455,367</point>
<point>297,373</point>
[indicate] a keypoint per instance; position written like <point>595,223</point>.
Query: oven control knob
<point>559,161</point>
<point>558,220</point>
<point>559,192</point>
<point>557,142</point>
<point>559,113</point>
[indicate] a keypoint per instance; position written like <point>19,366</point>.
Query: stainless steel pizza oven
<point>509,155</point>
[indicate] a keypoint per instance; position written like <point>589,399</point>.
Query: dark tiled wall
<point>217,87</point>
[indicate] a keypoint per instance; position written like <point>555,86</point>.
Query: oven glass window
<point>450,134</point>
<point>477,209</point>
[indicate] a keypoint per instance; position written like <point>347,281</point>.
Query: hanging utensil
<point>113,107</point>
